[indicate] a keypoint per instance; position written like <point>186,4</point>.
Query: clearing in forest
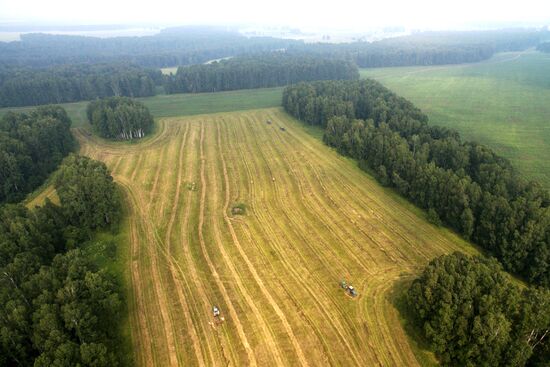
<point>312,218</point>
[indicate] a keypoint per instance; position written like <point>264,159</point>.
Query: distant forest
<point>429,48</point>
<point>71,83</point>
<point>464,184</point>
<point>172,46</point>
<point>45,68</point>
<point>266,70</point>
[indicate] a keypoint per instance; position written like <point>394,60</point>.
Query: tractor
<point>350,290</point>
<point>216,311</point>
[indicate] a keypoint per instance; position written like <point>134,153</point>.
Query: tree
<point>120,118</point>
<point>87,193</point>
<point>473,315</point>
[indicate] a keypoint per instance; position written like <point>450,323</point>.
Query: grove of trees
<point>71,83</point>
<point>120,118</point>
<point>260,71</point>
<point>31,147</point>
<point>56,307</point>
<point>473,314</point>
<point>464,184</point>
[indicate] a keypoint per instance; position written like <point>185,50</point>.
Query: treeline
<point>56,307</point>
<point>464,184</point>
<point>428,48</point>
<point>266,70</point>
<point>172,46</point>
<point>31,147</point>
<point>119,118</point>
<point>472,314</point>
<point>544,47</point>
<point>71,83</point>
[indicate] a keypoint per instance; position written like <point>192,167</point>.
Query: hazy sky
<point>350,14</point>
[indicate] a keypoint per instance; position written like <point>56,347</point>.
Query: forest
<point>266,70</point>
<point>197,44</point>
<point>31,147</point>
<point>119,118</point>
<point>58,308</point>
<point>473,314</point>
<point>76,82</point>
<point>463,184</point>
<point>428,48</point>
<point>172,46</point>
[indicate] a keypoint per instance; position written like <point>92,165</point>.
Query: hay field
<point>312,218</point>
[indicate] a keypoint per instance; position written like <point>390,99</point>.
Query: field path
<point>312,218</point>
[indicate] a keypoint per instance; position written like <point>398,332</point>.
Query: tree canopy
<point>56,307</point>
<point>76,82</point>
<point>87,193</point>
<point>260,71</point>
<point>31,147</point>
<point>120,118</point>
<point>171,46</point>
<point>474,315</point>
<point>428,48</point>
<point>464,184</point>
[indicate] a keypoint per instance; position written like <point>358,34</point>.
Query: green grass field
<point>503,102</point>
<point>163,105</point>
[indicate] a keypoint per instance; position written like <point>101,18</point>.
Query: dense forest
<point>428,48</point>
<point>57,308</point>
<point>266,70</point>
<point>196,45</point>
<point>71,83</point>
<point>464,184</point>
<point>31,147</point>
<point>472,314</point>
<point>172,46</point>
<point>119,118</point>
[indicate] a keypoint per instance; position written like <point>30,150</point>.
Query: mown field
<point>312,218</point>
<point>163,105</point>
<point>503,102</point>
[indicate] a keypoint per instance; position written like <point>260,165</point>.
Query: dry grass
<point>312,218</point>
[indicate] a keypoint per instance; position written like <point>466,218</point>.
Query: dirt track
<point>312,218</point>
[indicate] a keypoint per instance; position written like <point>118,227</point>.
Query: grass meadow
<point>503,102</point>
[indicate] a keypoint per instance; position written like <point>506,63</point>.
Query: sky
<point>343,14</point>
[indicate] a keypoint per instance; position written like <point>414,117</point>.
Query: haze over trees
<point>71,83</point>
<point>31,147</point>
<point>119,118</point>
<point>57,308</point>
<point>464,184</point>
<point>172,46</point>
<point>428,48</point>
<point>474,315</point>
<point>266,70</point>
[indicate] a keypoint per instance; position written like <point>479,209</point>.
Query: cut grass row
<point>502,102</point>
<point>312,219</point>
